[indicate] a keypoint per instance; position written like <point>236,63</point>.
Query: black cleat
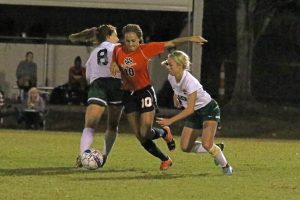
<point>104,160</point>
<point>221,145</point>
<point>169,139</point>
<point>171,145</point>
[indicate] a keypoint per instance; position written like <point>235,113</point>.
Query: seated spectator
<point>33,111</point>
<point>5,110</point>
<point>77,82</point>
<point>26,74</point>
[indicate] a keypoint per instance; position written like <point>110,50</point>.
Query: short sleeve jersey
<point>134,64</point>
<point>187,85</point>
<point>98,64</point>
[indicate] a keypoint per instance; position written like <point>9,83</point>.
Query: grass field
<point>38,165</point>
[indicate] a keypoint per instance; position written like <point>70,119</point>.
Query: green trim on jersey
<point>209,112</point>
<point>105,91</point>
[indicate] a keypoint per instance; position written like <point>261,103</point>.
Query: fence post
<point>222,82</point>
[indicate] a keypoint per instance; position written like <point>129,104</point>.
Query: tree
<point>253,18</point>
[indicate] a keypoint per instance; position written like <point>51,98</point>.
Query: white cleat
<point>228,170</point>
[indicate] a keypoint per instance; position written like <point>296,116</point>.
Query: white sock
<point>110,137</point>
<point>198,148</point>
<point>87,138</point>
<point>216,152</point>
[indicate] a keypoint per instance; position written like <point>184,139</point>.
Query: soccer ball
<point>91,159</point>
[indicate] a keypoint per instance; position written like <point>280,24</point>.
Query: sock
<point>150,146</point>
<point>216,152</point>
<point>158,132</point>
<point>87,138</point>
<point>198,148</point>
<point>110,137</point>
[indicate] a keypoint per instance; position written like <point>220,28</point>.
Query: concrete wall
<point>58,59</point>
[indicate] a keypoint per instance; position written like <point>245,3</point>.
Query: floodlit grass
<point>38,165</point>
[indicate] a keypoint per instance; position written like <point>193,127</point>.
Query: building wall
<point>53,63</point>
<point>58,59</point>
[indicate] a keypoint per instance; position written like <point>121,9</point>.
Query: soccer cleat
<point>169,139</point>
<point>222,146</point>
<point>78,163</point>
<point>227,170</point>
<point>166,164</point>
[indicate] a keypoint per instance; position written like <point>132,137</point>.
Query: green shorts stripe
<point>105,91</point>
<point>209,112</point>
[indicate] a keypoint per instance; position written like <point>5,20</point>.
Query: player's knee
<point>139,137</point>
<point>207,145</point>
<point>146,136</point>
<point>146,133</point>
<point>91,122</point>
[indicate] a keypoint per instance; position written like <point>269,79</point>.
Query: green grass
<point>38,165</point>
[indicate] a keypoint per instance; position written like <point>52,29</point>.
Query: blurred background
<point>251,63</point>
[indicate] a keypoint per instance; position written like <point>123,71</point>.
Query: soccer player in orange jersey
<point>139,99</point>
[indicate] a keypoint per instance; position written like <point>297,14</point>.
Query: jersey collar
<point>182,78</point>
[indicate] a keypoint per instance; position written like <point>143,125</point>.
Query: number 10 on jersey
<point>146,102</point>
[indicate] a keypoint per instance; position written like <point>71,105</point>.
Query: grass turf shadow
<point>147,176</point>
<point>48,171</point>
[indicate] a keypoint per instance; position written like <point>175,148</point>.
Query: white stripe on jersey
<point>98,64</point>
<point>187,85</point>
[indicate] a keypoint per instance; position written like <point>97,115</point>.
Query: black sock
<point>150,146</point>
<point>158,132</point>
<point>226,166</point>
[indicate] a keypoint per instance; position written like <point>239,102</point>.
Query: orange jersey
<point>134,64</point>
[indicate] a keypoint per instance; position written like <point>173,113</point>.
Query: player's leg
<point>134,119</point>
<point>188,141</point>
<point>97,102</point>
<point>115,108</point>
<point>148,97</point>
<point>146,121</point>
<point>208,134</point>
<point>191,131</point>
<point>92,118</point>
<point>166,134</point>
<point>114,115</point>
<point>96,106</point>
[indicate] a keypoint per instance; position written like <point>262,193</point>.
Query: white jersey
<point>98,64</point>
<point>187,85</point>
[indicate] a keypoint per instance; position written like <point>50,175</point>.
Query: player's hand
<point>114,69</point>
<point>198,39</point>
<point>163,121</point>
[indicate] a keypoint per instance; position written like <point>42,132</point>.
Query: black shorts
<point>143,100</point>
